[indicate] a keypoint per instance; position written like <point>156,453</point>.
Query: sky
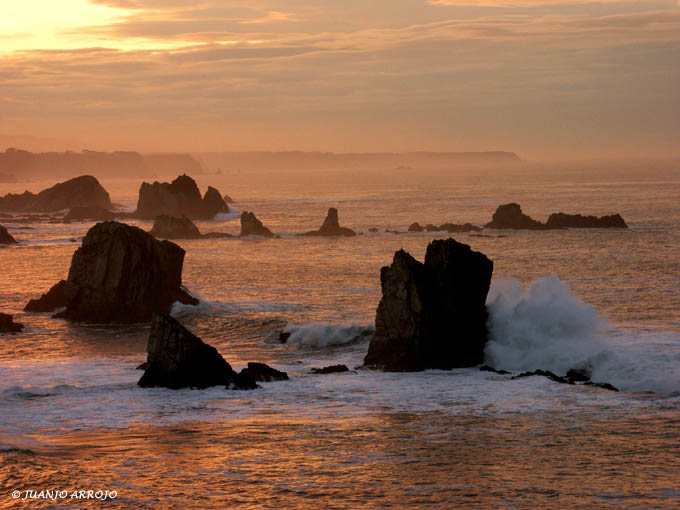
<point>543,78</point>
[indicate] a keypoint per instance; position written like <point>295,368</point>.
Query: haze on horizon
<point>542,78</point>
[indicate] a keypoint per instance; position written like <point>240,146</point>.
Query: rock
<point>169,227</point>
<point>179,359</point>
<point>89,213</point>
<point>573,376</point>
<point>179,198</point>
<point>331,226</point>
<point>415,227</point>
<point>259,372</point>
<point>53,299</point>
<point>6,237</point>
<point>251,226</point>
<point>562,220</point>
<point>432,315</point>
<point>545,373</point>
<point>333,369</point>
<point>216,235</point>
<point>487,368</point>
<point>83,191</point>
<point>604,386</point>
<point>578,374</point>
<point>143,366</point>
<point>7,324</point>
<point>510,216</point>
<point>228,199</point>
<point>121,274</point>
<point>284,336</point>
<point>373,230</point>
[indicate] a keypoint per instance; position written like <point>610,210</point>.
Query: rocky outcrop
<point>331,226</point>
<point>7,324</point>
<point>176,358</point>
<point>259,372</point>
<point>251,226</point>
<point>510,216</point>
<point>49,302</point>
<point>573,376</point>
<point>89,213</point>
<point>562,220</point>
<point>6,237</point>
<point>83,191</point>
<point>451,228</point>
<point>415,227</point>
<point>228,199</point>
<point>333,369</point>
<point>169,227</point>
<point>432,314</point>
<point>121,274</point>
<point>179,198</point>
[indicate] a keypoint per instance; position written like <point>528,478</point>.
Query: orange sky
<point>540,77</point>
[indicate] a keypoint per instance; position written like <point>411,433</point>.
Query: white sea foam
<point>546,326</point>
<point>319,334</point>
<point>233,214</point>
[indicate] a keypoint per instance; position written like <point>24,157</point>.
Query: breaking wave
<point>319,334</point>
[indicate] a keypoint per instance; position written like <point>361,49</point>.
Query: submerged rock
<point>169,227</point>
<point>487,368</point>
<point>85,191</point>
<point>331,226</point>
<point>574,376</point>
<point>89,213</point>
<point>6,237</point>
<point>444,227</point>
<point>179,359</point>
<point>179,198</point>
<point>251,226</point>
<point>121,274</point>
<point>510,216</point>
<point>53,299</point>
<point>562,220</point>
<point>333,369</point>
<point>432,315</point>
<point>259,372</point>
<point>7,324</point>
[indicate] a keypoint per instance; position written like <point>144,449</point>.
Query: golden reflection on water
<point>403,460</point>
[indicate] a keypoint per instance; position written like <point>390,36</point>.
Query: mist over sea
<point>72,416</point>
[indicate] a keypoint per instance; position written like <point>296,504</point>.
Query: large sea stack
<point>120,274</point>
<point>179,198</point>
<point>83,191</point>
<point>331,226</point>
<point>179,359</point>
<point>432,315</point>
<point>6,237</point>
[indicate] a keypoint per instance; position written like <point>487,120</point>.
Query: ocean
<point>72,417</point>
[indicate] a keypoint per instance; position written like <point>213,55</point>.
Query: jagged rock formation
<point>179,198</point>
<point>83,191</point>
<point>331,226</point>
<point>432,315</point>
<point>510,216</point>
<point>259,372</point>
<point>50,301</point>
<point>228,199</point>
<point>562,220</point>
<point>121,274</point>
<point>251,226</point>
<point>90,213</point>
<point>179,359</point>
<point>169,227</point>
<point>444,227</point>
<point>6,237</point>
<point>7,324</point>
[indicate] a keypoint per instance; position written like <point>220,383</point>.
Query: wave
<point>320,334</point>
<point>233,214</point>
<point>546,326</point>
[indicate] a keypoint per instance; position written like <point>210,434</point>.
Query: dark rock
<point>578,374</point>
<point>373,229</point>
<point>49,302</point>
<point>415,227</point>
<point>259,372</point>
<point>284,336</point>
<point>121,274</point>
<point>604,386</point>
<point>89,213</point>
<point>432,315</point>
<point>452,228</point>
<point>169,227</point>
<point>431,228</point>
<point>333,369</point>
<point>7,324</point>
<point>251,226</point>
<point>6,237</point>
<point>179,198</point>
<point>562,220</point>
<point>331,226</point>
<point>545,373</point>
<point>228,199</point>
<point>143,366</point>
<point>179,359</point>
<point>83,191</point>
<point>487,368</point>
<point>510,216</point>
<point>216,235</point>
